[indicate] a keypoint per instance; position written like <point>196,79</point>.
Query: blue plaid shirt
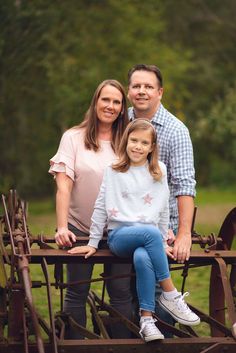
<point>176,151</point>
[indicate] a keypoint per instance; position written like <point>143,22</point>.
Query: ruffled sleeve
<point>64,159</point>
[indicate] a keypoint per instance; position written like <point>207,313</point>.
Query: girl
<point>134,203</point>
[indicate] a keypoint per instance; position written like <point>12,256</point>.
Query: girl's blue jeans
<point>144,243</point>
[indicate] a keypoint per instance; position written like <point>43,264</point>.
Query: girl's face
<point>109,105</point>
<point>139,145</point>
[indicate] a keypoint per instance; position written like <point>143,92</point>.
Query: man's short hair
<point>145,67</point>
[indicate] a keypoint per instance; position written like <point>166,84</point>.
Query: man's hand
<point>182,247</point>
<point>64,237</point>
<point>85,249</point>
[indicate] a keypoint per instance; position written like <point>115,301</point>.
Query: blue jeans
<point>118,290</point>
<point>161,313</point>
<point>144,243</point>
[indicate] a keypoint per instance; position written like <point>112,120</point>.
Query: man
<point>145,91</point>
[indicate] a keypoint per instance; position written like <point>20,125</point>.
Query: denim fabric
<point>76,296</point>
<point>161,313</point>
<point>144,243</point>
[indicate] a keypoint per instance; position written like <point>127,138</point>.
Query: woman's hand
<point>84,249</point>
<point>64,237</point>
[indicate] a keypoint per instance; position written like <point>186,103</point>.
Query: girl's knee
<point>154,233</point>
<point>141,257</point>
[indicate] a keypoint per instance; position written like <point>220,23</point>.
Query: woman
<point>78,166</point>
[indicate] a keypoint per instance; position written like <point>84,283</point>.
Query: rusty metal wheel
<point>216,295</point>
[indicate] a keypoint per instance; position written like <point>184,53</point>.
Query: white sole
<point>179,320</point>
<point>155,338</point>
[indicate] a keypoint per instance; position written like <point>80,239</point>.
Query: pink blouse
<point>85,168</point>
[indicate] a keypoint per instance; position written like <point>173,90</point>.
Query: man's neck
<point>148,114</point>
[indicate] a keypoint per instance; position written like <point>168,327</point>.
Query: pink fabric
<point>85,168</point>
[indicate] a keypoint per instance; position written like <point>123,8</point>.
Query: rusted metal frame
<point>82,330</point>
<point>228,294</point>
<point>177,345</point>
<point>92,280</point>
<point>2,245</point>
<point>58,276</point>
<point>54,256</point>
<point>130,325</point>
<point>63,319</point>
<point>25,230</point>
<point>92,304</point>
<point>216,299</point>
<point>228,230</point>
<point>23,268</point>
<point>184,275</point>
<point>7,222</point>
<point>215,348</point>
<point>212,322</point>
<point>51,315</point>
<point>188,329</point>
<point>61,327</point>
<point>16,306</point>
<point>21,250</point>
<point>43,240</point>
<point>3,312</point>
<point>233,279</point>
<point>114,313</point>
<point>25,333</point>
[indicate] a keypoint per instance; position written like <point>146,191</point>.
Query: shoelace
<point>180,303</point>
<point>149,326</point>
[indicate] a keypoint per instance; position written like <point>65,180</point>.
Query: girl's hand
<point>64,237</point>
<point>84,249</point>
<point>169,252</point>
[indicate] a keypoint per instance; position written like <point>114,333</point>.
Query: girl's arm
<point>63,236</point>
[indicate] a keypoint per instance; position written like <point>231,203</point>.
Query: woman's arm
<point>63,236</point>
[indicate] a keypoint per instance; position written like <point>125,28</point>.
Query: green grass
<point>212,196</point>
<point>212,205</point>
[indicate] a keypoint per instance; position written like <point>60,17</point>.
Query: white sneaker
<point>148,330</point>
<point>179,310</point>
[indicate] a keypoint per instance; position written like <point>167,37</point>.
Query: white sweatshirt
<point>130,198</point>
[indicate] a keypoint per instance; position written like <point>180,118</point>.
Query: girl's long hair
<point>90,122</point>
<point>123,163</point>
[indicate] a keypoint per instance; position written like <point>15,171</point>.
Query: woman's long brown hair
<point>90,123</point>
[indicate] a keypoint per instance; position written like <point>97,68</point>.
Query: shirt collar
<point>158,118</point>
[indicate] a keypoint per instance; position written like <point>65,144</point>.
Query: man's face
<point>144,93</point>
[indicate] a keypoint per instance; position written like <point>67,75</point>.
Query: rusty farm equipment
<point>23,329</point>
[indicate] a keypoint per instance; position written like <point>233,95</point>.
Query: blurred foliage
<point>54,54</point>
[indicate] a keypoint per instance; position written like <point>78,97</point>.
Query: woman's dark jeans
<point>118,290</point>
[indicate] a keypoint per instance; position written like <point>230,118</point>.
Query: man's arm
<point>183,181</point>
<point>183,242</point>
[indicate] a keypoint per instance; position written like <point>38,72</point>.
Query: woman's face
<point>109,105</point>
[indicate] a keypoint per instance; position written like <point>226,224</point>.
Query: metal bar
<point>113,312</point>
<point>225,331</point>
<point>183,345</point>
<point>228,294</point>
<point>23,266</point>
<point>51,316</point>
<point>99,322</point>
<point>43,240</point>
<point>53,256</point>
